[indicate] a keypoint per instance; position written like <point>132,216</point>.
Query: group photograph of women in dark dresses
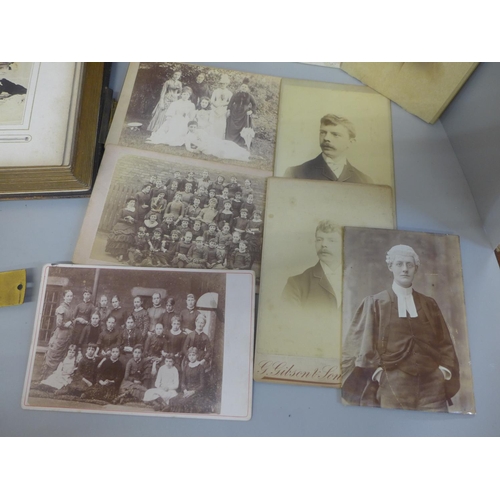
<point>163,214</point>
<point>203,112</point>
<point>127,340</point>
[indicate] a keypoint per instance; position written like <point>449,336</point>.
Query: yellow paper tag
<point>12,287</point>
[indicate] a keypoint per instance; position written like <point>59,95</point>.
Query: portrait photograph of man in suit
<point>405,344</point>
<point>319,287</point>
<point>336,136</point>
<point>332,132</point>
<point>300,298</point>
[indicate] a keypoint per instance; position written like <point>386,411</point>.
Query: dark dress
<point>240,103</point>
<point>122,235</point>
<point>107,370</point>
<point>192,379</point>
<point>83,310</point>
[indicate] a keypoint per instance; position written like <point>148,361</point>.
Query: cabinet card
<point>200,112</point>
<point>334,132</point>
<point>143,342</point>
<point>299,324</point>
<point>405,342</point>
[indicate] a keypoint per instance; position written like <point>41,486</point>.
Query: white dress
<point>220,100</point>
<point>63,374</point>
<point>210,145</point>
<point>173,131</point>
<point>167,381</point>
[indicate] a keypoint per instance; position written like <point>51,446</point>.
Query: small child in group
<point>233,245</point>
<point>241,258</point>
<point>193,211</point>
<point>225,235</point>
<point>151,223</point>
<point>211,232</point>
<point>211,194</point>
<point>159,188</point>
<point>167,226</point>
<point>170,246</point>
<point>254,235</point>
<point>233,187</point>
<point>203,115</point>
<point>137,252</point>
<point>172,191</point>
<point>187,195</point>
<point>225,216</point>
<point>221,200</point>
<point>221,253</point>
<point>218,186</point>
<point>180,260</point>
<point>156,257</point>
<point>177,179</point>
<point>176,207</point>
<point>166,385</point>
<point>197,230</point>
<point>208,215</point>
<point>197,255</point>
<point>247,189</point>
<point>212,253</point>
<point>240,223</point>
<point>249,205</point>
<point>132,387</point>
<point>63,374</point>
<point>237,203</point>
<point>159,203</point>
<point>202,194</point>
<point>192,180</point>
<point>184,228</point>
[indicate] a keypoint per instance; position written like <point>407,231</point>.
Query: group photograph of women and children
<point>202,112</point>
<point>164,214</point>
<point>130,340</point>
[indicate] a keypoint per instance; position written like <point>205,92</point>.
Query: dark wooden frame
<point>75,179</point>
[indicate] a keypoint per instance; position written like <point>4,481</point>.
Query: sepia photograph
<point>17,81</point>
<point>202,112</point>
<point>405,342</point>
<point>333,132</point>
<point>141,341</point>
<point>159,213</point>
<point>299,323</point>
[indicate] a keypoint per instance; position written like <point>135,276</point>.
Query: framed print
<point>50,117</point>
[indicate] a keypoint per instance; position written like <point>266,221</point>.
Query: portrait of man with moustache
<point>336,136</point>
<point>319,287</point>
